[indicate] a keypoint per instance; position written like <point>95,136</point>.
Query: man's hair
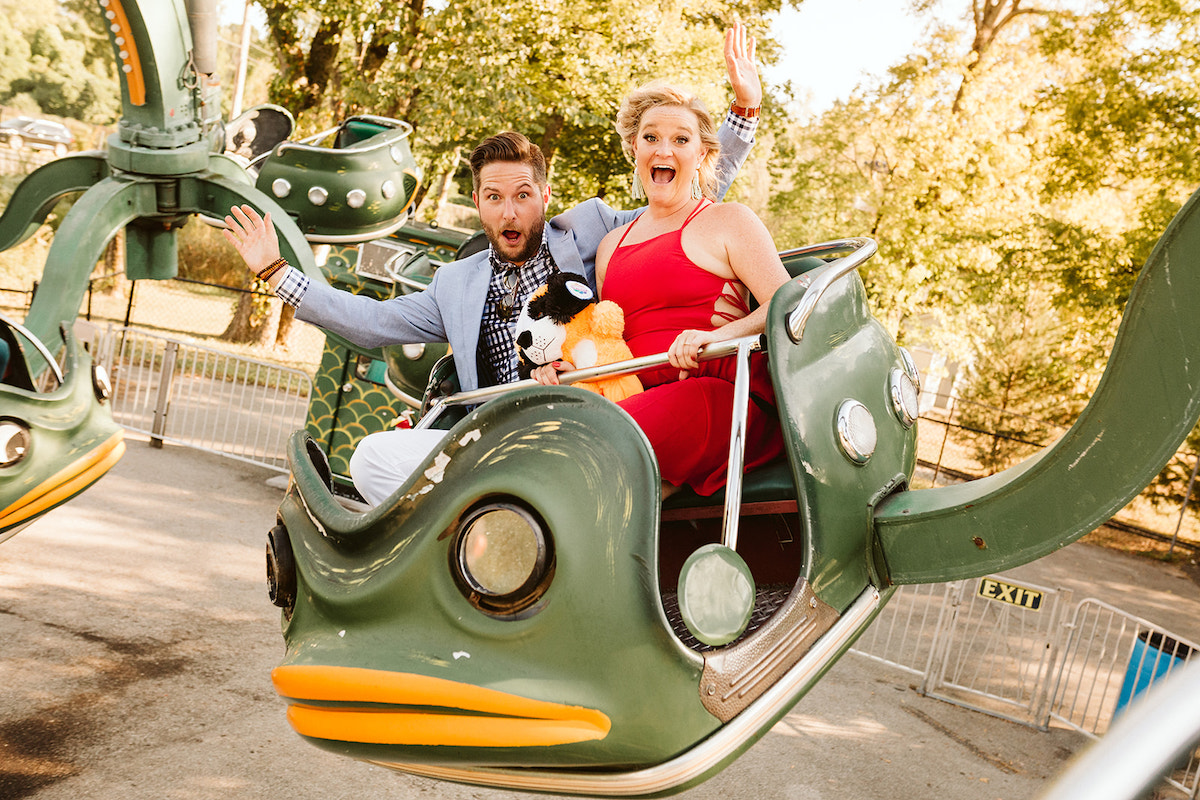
<point>508,146</point>
<point>653,95</point>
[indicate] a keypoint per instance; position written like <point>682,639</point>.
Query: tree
<point>553,69</point>
<point>55,62</point>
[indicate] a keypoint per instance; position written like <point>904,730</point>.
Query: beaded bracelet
<point>272,268</point>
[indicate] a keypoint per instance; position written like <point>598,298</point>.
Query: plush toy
<point>562,321</point>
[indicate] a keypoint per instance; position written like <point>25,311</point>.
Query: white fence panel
<point>182,392</point>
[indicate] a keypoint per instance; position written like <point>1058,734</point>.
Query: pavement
<point>138,643</point>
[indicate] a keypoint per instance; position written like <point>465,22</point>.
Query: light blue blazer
<point>451,309</point>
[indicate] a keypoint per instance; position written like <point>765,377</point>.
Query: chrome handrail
<point>863,249</point>
<point>305,143</point>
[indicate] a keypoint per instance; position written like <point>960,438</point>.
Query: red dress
<point>662,293</point>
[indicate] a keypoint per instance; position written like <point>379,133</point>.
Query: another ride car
<point>57,435</point>
<point>39,134</point>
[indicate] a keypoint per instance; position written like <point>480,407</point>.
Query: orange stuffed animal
<point>563,321</point>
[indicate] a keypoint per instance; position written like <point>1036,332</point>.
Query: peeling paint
<point>470,436</point>
<point>460,654</point>
<point>1086,450</point>
<point>438,471</point>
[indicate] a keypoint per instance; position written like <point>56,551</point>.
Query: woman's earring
<point>638,191</point>
<point>697,193</point>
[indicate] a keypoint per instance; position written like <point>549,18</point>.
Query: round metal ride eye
<point>388,189</point>
<point>355,198</point>
<point>281,187</point>
<point>910,367</point>
<point>904,397</point>
<point>503,559</point>
<point>412,351</point>
<point>317,196</point>
<point>101,385</point>
<point>856,431</point>
<point>14,443</point>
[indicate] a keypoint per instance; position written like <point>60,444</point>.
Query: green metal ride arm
<point>1146,404</point>
<point>38,193</point>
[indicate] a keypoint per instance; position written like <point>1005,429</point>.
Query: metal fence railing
<point>1020,652</point>
<point>185,393</point>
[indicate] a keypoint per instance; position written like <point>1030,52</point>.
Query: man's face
<point>512,208</point>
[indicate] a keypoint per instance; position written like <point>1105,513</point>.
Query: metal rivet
<point>281,187</point>
<point>355,198</point>
<point>388,189</point>
<point>317,196</point>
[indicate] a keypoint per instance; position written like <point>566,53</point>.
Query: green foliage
<point>1012,216</point>
<point>205,255</point>
<point>552,69</point>
<point>51,62</point>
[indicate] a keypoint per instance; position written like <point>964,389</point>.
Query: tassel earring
<point>638,191</point>
<point>697,192</point>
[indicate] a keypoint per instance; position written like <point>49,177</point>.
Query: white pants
<point>383,461</point>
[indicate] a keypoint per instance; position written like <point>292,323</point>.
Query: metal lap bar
<point>862,250</point>
<point>737,445</point>
<point>617,368</point>
<point>308,142</point>
<point>37,345</point>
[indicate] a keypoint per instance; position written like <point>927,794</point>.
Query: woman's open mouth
<point>662,174</point>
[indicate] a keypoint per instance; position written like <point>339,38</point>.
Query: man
<point>473,303</point>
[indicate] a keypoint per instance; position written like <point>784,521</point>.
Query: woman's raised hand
<point>252,236</point>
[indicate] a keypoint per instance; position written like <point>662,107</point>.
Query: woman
<point>680,272</point>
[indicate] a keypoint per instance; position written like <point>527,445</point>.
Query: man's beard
<point>533,241</point>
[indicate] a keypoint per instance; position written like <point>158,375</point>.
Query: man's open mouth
<point>662,174</point>
<point>512,237</point>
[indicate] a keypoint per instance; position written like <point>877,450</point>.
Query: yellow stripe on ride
<point>66,483</point>
<point>515,721</point>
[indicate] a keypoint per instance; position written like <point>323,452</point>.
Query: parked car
<point>39,134</point>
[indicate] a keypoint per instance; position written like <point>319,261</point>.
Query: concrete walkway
<point>138,643</point>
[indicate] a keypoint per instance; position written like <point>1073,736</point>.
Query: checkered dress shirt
<point>497,354</point>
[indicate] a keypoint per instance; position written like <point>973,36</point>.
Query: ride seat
<point>766,490</point>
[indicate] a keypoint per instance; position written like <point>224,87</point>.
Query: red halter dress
<point>662,293</point>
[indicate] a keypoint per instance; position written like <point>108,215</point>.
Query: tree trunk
<point>549,143</point>
<point>990,17</point>
<point>248,325</point>
<point>287,315</point>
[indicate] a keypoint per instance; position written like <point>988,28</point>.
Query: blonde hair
<point>654,95</point>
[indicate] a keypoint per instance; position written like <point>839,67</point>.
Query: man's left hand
<point>743,72</point>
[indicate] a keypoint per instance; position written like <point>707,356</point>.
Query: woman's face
<point>667,151</point>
